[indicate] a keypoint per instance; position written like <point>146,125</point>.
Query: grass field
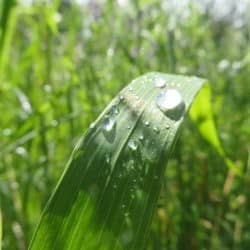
<point>61,64</point>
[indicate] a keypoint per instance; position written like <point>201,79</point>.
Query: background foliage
<point>61,63</point>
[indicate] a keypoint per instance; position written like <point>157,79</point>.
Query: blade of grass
<point>201,113</point>
<point>0,229</point>
<point>108,192</point>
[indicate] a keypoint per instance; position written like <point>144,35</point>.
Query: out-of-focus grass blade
<point>0,229</point>
<point>201,112</point>
<point>108,192</point>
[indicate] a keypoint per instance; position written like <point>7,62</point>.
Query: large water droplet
<point>108,124</point>
<point>108,128</point>
<point>171,103</point>
<point>160,83</point>
<point>133,145</point>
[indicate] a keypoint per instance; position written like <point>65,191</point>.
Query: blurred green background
<point>62,61</point>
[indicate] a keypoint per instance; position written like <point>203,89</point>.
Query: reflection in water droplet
<point>167,126</point>
<point>146,123</point>
<point>130,89</point>
<point>108,124</point>
<point>171,103</point>
<point>133,145</point>
<point>160,83</point>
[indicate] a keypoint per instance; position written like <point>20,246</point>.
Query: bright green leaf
<point>201,112</point>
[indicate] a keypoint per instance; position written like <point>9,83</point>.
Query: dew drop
<point>107,157</point>
<point>156,130</point>
<point>146,123</point>
<point>133,145</point>
<point>160,83</point>
<point>114,110</point>
<point>170,102</point>
<point>141,137</point>
<point>109,124</point>
<point>130,89</point>
<point>121,97</point>
<point>167,126</point>
<point>108,128</point>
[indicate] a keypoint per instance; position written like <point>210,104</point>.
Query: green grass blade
<point>201,113</point>
<point>108,192</point>
<point>1,229</point>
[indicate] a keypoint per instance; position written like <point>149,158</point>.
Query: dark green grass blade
<point>107,195</point>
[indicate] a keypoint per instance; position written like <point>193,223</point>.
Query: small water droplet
<point>171,103</point>
<point>141,137</point>
<point>121,97</point>
<point>108,124</point>
<point>133,145</point>
<point>156,129</point>
<point>146,123</point>
<point>107,157</point>
<point>123,206</point>
<point>160,83</point>
<point>114,110</point>
<point>167,126</point>
<point>128,127</point>
<point>130,89</point>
